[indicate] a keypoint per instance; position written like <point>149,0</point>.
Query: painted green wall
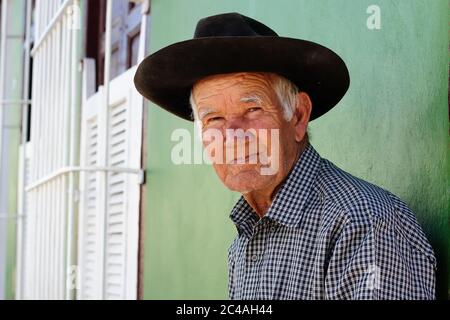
<point>12,120</point>
<point>390,129</point>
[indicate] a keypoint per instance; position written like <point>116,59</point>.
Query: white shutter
<point>116,203</point>
<point>90,220</point>
<point>108,251</point>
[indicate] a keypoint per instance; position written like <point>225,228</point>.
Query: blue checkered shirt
<point>329,235</point>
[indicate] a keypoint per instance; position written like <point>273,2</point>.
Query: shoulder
<point>366,208</point>
<point>359,200</point>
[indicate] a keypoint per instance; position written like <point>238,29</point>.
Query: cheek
<point>264,127</point>
<point>270,141</point>
<point>278,147</point>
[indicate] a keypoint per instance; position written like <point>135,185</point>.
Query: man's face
<point>246,101</point>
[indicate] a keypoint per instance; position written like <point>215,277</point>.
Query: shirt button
<point>273,229</point>
<point>254,258</point>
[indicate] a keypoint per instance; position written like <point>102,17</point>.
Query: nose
<point>234,122</point>
<point>234,129</point>
<point>238,134</point>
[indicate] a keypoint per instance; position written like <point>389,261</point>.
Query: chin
<point>245,181</point>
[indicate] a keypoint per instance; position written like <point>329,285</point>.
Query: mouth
<point>249,159</point>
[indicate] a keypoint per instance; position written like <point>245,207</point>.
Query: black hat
<point>231,42</point>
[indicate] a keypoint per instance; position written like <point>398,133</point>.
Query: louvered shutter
<point>112,227</point>
<point>116,203</point>
<point>90,219</point>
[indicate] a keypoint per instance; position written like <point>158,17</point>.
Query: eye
<point>253,109</point>
<point>214,119</point>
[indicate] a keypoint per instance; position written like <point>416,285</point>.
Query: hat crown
<point>231,25</point>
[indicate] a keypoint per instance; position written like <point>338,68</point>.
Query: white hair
<point>285,90</point>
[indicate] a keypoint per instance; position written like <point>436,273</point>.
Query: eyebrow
<point>252,98</point>
<point>205,111</point>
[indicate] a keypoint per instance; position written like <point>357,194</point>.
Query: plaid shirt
<point>329,235</point>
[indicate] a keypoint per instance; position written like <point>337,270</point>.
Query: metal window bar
<point>54,93</point>
<point>15,102</point>
<point>55,132</point>
<point>68,170</point>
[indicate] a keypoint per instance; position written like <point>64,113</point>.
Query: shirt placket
<point>253,260</point>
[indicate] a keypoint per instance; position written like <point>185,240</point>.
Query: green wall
<point>390,129</point>
<point>11,133</point>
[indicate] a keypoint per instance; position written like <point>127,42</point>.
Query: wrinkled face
<point>259,144</point>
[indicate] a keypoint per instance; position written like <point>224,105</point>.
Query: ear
<point>301,115</point>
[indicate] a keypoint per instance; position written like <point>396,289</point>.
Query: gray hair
<point>285,90</point>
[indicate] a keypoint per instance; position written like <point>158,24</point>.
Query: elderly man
<point>306,229</point>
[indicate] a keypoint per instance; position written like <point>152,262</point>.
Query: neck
<point>261,200</point>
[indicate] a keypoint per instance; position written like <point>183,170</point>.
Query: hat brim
<point>167,76</point>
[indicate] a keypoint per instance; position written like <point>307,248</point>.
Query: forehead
<point>232,83</point>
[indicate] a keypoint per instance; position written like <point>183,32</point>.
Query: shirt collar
<point>287,207</point>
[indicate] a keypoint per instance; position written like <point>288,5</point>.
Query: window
<point>126,21</point>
